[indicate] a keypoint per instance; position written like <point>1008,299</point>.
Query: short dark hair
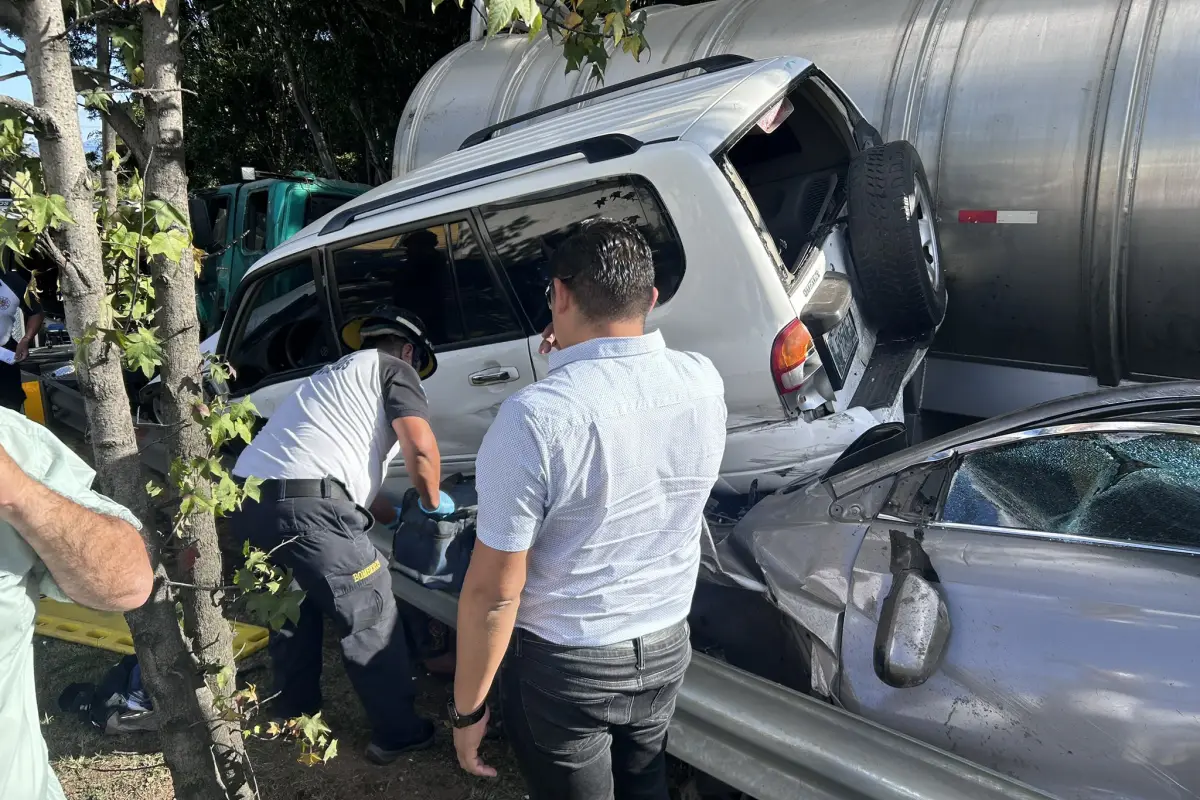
<point>609,268</point>
<point>389,343</point>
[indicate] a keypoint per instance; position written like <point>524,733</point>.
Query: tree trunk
<point>191,734</point>
<point>108,137</point>
<point>375,169</point>
<point>81,279</point>
<point>175,315</point>
<point>328,165</point>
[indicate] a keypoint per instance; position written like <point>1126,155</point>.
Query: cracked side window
<point>1142,487</point>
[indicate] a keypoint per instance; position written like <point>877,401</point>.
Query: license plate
<point>841,346</point>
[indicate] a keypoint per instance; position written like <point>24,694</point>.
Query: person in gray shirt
<point>592,484</point>
<point>323,456</point>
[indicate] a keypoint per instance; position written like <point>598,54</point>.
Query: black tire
<point>892,263</point>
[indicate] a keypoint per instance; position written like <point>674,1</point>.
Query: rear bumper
<point>778,453</point>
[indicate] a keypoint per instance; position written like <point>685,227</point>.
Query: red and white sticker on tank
<point>995,217</point>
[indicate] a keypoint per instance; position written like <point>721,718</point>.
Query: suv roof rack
<point>708,65</point>
<point>599,148</point>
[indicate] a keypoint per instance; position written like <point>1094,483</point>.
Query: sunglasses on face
<point>550,291</point>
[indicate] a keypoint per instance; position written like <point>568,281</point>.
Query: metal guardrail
<point>776,744</point>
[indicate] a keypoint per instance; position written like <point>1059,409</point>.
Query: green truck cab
<point>236,224</point>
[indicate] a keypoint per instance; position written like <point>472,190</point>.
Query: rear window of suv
<point>526,231</point>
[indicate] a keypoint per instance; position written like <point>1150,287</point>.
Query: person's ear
<point>408,352</point>
<point>653,299</point>
<point>561,297</point>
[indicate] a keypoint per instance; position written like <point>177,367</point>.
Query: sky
<point>19,88</point>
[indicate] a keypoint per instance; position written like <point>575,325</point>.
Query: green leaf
<point>330,752</point>
<point>536,26</point>
<point>12,132</point>
<point>21,185</point>
<point>143,350</point>
<point>312,727</point>
<point>128,44</point>
<point>134,188</point>
<point>224,677</point>
<point>166,215</point>
<point>221,429</point>
<point>219,372</point>
<point>614,24</point>
<point>250,488</point>
<point>153,489</point>
<point>170,244</point>
<point>528,11</point>
<point>160,5</point>
<point>97,99</point>
<point>14,236</point>
<point>499,15</point>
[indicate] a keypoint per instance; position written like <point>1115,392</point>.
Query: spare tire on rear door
<point>894,241</point>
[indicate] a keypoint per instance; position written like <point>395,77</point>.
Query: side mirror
<point>202,232</point>
<point>914,626</point>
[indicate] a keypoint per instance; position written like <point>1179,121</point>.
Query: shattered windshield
<point>1125,486</point>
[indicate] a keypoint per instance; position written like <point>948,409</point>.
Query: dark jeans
<point>590,723</point>
<point>347,580</point>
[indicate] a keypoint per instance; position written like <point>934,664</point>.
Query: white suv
<point>791,249</point>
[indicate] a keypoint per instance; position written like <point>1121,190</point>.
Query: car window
<point>318,205</point>
<point>218,212</point>
<point>256,222</point>
<point>282,326</point>
<point>426,271</point>
<point>486,311</point>
<point>526,231</point>
<point>1142,487</point>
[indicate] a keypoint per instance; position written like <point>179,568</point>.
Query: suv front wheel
<point>894,240</point>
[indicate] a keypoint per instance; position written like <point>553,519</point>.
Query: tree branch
<point>130,132</point>
<point>98,75</point>
<point>12,75</point>
<point>143,91</point>
<point>102,15</point>
<point>50,249</point>
<point>39,115</point>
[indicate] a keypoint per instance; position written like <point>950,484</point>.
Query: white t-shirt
<point>10,307</point>
<point>338,424</point>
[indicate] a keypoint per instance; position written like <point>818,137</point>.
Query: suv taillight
<point>793,358</point>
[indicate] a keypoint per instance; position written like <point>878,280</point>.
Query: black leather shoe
<point>383,757</point>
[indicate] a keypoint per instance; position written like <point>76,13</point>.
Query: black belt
<point>287,488</point>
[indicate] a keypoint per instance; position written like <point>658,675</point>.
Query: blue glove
<point>445,507</point>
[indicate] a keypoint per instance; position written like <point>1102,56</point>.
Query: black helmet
<point>390,320</point>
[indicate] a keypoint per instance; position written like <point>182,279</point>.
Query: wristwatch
<point>464,720</point>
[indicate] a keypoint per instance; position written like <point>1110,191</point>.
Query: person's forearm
<point>424,465</point>
<point>97,561</point>
<point>485,626</point>
<point>32,325</point>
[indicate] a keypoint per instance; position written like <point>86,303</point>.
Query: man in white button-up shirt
<point>592,485</point>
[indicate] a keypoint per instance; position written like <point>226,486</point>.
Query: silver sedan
<point>1024,592</point>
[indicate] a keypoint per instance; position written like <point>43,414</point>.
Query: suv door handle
<point>493,376</point>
